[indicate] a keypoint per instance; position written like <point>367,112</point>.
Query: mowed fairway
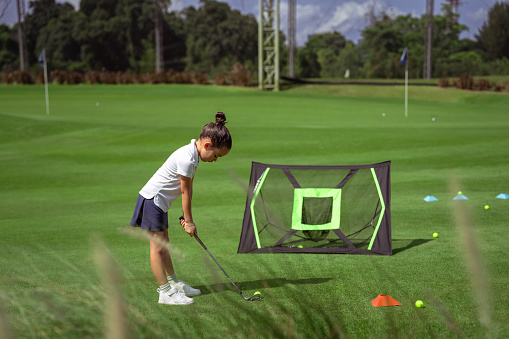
<point>69,182</point>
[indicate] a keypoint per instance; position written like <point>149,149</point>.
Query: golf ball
<point>432,119</point>
<point>300,246</point>
<point>419,304</point>
<point>383,114</point>
<point>257,292</point>
<point>486,207</point>
<point>460,193</point>
<point>435,235</point>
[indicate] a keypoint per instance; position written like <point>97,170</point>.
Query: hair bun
<point>220,118</point>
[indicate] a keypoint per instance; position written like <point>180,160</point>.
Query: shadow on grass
<point>400,245</point>
<point>258,284</point>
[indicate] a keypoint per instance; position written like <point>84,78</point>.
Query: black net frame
<point>359,224</point>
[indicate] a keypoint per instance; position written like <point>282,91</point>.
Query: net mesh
<point>274,206</point>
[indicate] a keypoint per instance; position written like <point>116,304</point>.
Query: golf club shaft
<point>205,247</point>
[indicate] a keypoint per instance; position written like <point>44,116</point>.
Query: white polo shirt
<point>164,186</point>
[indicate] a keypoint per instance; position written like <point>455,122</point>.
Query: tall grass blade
<point>472,256</point>
<point>114,311</point>
<point>5,331</point>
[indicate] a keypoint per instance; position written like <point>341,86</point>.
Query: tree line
<point>118,36</point>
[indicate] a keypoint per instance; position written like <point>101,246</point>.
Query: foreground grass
<point>70,180</point>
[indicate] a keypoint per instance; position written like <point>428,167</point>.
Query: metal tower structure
<point>21,28</point>
<point>158,29</point>
<point>428,39</point>
<point>268,45</point>
<point>292,37</point>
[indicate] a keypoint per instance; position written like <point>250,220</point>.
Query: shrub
<point>74,78</point>
<point>505,87</point>
<point>18,77</point>
<point>200,78</point>
<point>443,82</point>
<point>124,78</point>
<point>483,85</point>
<point>39,78</point>
<point>58,76</point>
<point>220,80</point>
<point>107,77</point>
<point>465,82</point>
<point>156,78</point>
<point>175,77</point>
<point>92,77</point>
<point>139,78</point>
<point>240,75</point>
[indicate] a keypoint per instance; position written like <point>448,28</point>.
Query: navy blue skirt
<point>148,216</point>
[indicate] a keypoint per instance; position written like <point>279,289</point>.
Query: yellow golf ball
<point>486,207</point>
<point>419,304</point>
<point>258,292</point>
<point>460,193</point>
<point>435,235</point>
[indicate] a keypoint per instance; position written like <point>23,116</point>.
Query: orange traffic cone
<point>384,300</point>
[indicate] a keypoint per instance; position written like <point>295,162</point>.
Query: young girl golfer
<point>173,179</point>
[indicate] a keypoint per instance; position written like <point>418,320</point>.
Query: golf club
<point>254,297</point>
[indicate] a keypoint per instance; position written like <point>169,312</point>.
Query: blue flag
<point>404,57</point>
<point>42,58</point>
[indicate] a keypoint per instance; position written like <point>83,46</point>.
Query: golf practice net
<point>318,209</point>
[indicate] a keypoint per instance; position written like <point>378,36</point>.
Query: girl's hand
<point>189,227</point>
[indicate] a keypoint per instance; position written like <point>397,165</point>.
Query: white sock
<point>165,288</point>
<point>172,280</point>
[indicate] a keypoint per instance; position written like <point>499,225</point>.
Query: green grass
<point>70,181</point>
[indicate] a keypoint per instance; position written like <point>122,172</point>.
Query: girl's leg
<point>160,260</point>
<point>168,264</point>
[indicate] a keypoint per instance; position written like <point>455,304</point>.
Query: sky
<point>318,16</point>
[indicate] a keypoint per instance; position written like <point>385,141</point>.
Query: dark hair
<point>217,132</point>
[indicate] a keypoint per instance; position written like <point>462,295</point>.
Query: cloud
<point>177,6</point>
<point>75,3</point>
<point>478,16</point>
<point>347,18</point>
<point>307,17</point>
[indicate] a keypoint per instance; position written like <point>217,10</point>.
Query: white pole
<point>46,85</point>
<point>406,89</point>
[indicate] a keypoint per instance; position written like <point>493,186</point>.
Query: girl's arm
<point>186,186</point>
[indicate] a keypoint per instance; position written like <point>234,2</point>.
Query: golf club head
<point>255,297</point>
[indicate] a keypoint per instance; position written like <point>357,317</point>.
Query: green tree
<point>493,35</point>
<point>9,59</point>
<point>42,12</point>
<point>351,59</point>
<point>308,63</point>
<point>104,42</point>
<point>174,41</point>
<point>218,36</point>
<point>61,38</point>
<point>446,43</point>
<point>384,42</point>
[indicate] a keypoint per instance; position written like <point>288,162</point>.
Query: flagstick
<point>406,89</point>
<point>46,86</point>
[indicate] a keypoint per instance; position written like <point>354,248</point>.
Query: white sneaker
<point>173,297</point>
<point>187,290</point>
